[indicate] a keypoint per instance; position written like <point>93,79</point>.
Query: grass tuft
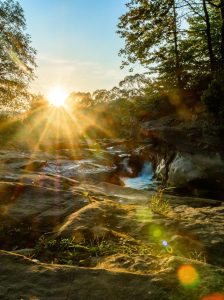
<point>158,204</point>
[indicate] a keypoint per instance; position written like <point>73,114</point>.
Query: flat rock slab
<point>21,278</point>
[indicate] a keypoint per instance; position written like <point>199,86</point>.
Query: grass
<point>198,256</point>
<point>158,204</point>
<point>69,252</point>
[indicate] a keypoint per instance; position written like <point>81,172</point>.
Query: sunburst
<point>57,96</point>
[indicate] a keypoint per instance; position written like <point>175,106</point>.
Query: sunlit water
<point>143,181</point>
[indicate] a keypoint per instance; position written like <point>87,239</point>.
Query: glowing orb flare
<point>215,296</point>
<point>165,243</point>
<point>188,276</point>
<point>57,96</point>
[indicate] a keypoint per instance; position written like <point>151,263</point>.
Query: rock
<point>25,252</point>
<point>113,228</point>
<point>191,150</point>
<point>95,221</point>
<point>161,170</point>
<point>22,278</point>
<point>28,211</point>
<point>197,171</point>
<point>91,164</point>
<point>34,165</point>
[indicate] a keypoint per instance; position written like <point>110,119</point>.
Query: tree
<point>149,28</point>
<point>115,93</point>
<point>17,57</point>
<point>79,100</point>
<point>201,11</point>
<point>134,85</point>
<point>198,63</point>
<point>101,96</point>
<point>220,6</point>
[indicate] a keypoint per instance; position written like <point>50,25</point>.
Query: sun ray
<point>88,122</point>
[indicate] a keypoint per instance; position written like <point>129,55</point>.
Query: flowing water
<point>103,166</point>
<point>144,180</point>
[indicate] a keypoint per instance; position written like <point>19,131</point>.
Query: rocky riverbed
<point>90,223</point>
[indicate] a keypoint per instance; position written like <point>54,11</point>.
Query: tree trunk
<point>209,37</point>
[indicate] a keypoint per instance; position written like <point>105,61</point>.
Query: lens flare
<point>168,248</point>
<point>156,232</point>
<point>188,276</point>
<point>165,243</point>
<point>215,296</point>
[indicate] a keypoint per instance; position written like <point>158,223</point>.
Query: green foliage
<point>179,56</point>
<point>213,97</point>
<point>148,28</point>
<point>68,251</point>
<point>143,26</point>
<point>134,86</point>
<point>194,49</point>
<point>16,55</point>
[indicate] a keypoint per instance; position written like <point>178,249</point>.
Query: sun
<point>57,96</point>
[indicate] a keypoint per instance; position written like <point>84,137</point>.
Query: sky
<point>76,42</point>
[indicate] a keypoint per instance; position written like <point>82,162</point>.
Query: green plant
<point>68,251</point>
<point>158,204</point>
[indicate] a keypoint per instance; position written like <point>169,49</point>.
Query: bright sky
<point>76,42</point>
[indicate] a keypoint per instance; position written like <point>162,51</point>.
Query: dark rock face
<point>187,155</point>
<point>198,173</point>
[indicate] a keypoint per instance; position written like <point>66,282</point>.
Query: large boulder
<point>199,173</point>
<point>28,211</point>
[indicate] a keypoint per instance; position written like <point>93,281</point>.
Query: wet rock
<point>34,165</point>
